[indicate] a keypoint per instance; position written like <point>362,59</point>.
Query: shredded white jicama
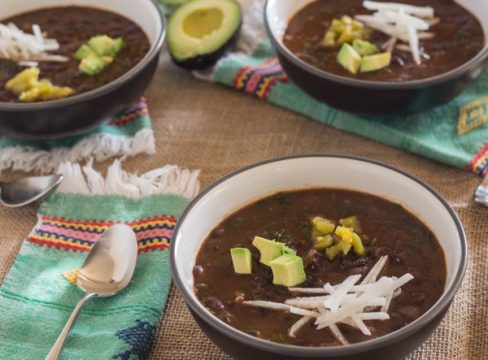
<point>27,49</point>
<point>406,23</point>
<point>348,302</point>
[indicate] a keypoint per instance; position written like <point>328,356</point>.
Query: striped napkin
<point>128,134</point>
<point>38,294</point>
<point>455,134</point>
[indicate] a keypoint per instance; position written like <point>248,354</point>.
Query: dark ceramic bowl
<point>314,171</point>
<point>79,113</point>
<point>368,97</point>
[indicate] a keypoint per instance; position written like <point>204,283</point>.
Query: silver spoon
<point>27,190</point>
<point>107,270</point>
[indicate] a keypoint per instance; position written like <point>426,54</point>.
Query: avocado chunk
<point>104,45</point>
<point>83,52</point>
<point>241,260</point>
<point>200,31</point>
<point>92,64</point>
<point>288,270</point>
<point>97,53</point>
<point>349,58</point>
<point>375,62</point>
<point>269,249</point>
<point>365,48</point>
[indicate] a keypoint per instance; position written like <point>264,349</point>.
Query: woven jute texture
<point>215,129</point>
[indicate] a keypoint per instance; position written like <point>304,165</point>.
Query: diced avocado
<point>92,64</point>
<point>83,52</point>
<point>365,48</point>
<point>288,270</point>
<point>118,45</point>
<point>23,81</point>
<point>200,32</point>
<point>357,245</point>
<point>349,58</point>
<point>375,62</point>
<point>104,45</point>
<point>322,242</point>
<point>351,222</point>
<point>269,249</point>
<point>242,260</point>
<point>323,225</point>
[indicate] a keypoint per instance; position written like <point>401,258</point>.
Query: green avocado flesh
<point>202,28</point>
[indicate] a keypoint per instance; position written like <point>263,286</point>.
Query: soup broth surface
<point>72,26</point>
<point>457,39</point>
<point>388,229</point>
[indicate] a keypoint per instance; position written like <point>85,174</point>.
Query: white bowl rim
<point>266,345</point>
<point>389,85</point>
<point>102,90</point>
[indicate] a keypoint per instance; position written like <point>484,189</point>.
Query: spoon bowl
<point>27,190</point>
<point>107,269</point>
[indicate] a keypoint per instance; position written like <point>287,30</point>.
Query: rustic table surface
<point>215,129</point>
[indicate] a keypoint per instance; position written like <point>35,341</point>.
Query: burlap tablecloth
<point>209,127</point>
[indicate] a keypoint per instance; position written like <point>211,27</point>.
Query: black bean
<point>259,281</point>
<point>409,311</point>
<point>398,260</point>
<point>197,271</point>
<point>359,270</point>
<point>214,303</point>
<point>418,298</point>
<point>361,261</point>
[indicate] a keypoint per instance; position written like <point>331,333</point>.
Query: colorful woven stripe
<point>259,80</point>
<point>136,110</point>
<point>151,233</point>
<point>479,163</point>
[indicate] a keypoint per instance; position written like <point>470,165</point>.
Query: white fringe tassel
<point>100,147</point>
<point>169,179</point>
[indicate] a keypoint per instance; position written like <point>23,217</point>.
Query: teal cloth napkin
<point>127,134</point>
<point>38,295</point>
<point>455,134</point>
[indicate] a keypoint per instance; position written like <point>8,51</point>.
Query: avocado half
<point>200,31</point>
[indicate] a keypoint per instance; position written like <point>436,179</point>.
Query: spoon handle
<point>58,345</point>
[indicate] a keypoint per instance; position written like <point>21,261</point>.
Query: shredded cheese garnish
<point>406,23</point>
<point>27,49</point>
<point>349,302</point>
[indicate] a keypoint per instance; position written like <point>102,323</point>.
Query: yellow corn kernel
<point>345,233</point>
<point>329,39</point>
<point>322,242</point>
<point>346,36</point>
<point>336,26</point>
<point>347,20</point>
<point>323,225</point>
<point>332,252</point>
<point>23,81</point>
<point>358,246</point>
<point>351,222</point>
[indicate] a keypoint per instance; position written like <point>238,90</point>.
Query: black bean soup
<point>458,37</point>
<point>391,230</point>
<point>72,26</point>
